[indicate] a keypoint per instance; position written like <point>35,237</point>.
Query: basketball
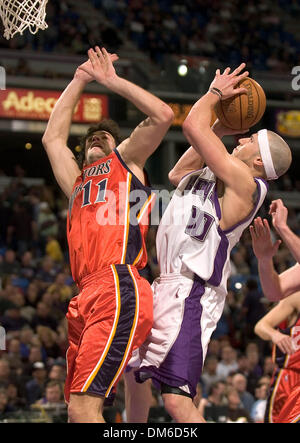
<point>243,110</point>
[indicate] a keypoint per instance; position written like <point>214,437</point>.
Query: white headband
<point>264,147</point>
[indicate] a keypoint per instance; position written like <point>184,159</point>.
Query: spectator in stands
<point>9,265</point>
<point>53,249</point>
<point>259,406</point>
<point>43,317</point>
<point>253,309</point>
<point>236,31</point>
<point>32,294</point>
<point>5,373</point>
<point>13,355</point>
<point>228,362</point>
<point>57,309</point>
<point>209,407</point>
<point>47,273</point>
<point>255,369</point>
<point>48,340</point>
<point>214,347</point>
<point>5,407</point>
<point>36,385</point>
<point>239,382</point>
<point>57,372</point>
<point>26,335</point>
<point>239,262</point>
<point>47,224</point>
<point>12,319</point>
<point>19,231</point>
<point>268,366</point>
<point>53,395</point>
<point>209,375</point>
<point>36,354</point>
<point>59,286</point>
<point>62,340</point>
<point>15,398</point>
<point>235,412</point>
<point>243,364</point>
<point>28,267</point>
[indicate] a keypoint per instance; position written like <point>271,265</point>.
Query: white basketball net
<point>18,15</point>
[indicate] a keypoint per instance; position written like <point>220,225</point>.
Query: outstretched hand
<point>279,214</point>
<point>82,72</point>
<point>227,82</point>
<point>99,67</point>
<point>261,239</point>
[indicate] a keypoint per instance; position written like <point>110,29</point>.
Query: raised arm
<point>275,286</point>
<point>149,133</point>
<point>279,220</point>
<point>232,171</point>
<point>191,160</point>
<point>62,159</point>
<point>266,327</point>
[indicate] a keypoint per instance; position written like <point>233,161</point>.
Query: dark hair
<point>107,125</point>
<point>252,284</point>
<point>53,383</point>
<point>214,386</point>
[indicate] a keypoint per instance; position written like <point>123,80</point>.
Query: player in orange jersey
<point>283,404</point>
<point>107,224</point>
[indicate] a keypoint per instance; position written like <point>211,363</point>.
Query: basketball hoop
<point>18,15</point>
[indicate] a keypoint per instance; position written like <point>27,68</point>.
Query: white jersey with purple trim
<point>189,238</point>
<point>189,295</point>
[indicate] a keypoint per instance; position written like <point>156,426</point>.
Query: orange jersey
<point>108,217</point>
<point>283,404</point>
<point>291,361</point>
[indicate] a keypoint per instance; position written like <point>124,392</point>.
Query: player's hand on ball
<point>100,66</point>
<point>226,82</point>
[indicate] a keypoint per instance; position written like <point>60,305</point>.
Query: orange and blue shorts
<point>111,316</point>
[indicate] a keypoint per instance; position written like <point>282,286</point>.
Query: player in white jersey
<point>205,218</point>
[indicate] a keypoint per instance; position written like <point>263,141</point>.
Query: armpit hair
<point>254,196</point>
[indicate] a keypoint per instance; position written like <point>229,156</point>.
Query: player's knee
<point>173,403</point>
<point>77,410</point>
<point>75,413</point>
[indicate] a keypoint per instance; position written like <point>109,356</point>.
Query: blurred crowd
<point>264,34</point>
<point>69,31</point>
<point>36,286</point>
<point>261,33</point>
<point>35,279</point>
